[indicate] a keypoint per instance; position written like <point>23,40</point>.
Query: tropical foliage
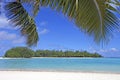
<point>19,52</point>
<point>53,53</point>
<point>95,17</point>
<point>23,52</point>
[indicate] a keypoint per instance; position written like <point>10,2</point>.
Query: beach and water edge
<point>36,74</point>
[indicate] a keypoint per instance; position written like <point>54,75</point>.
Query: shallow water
<point>110,65</point>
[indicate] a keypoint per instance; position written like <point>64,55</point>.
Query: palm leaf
<point>35,4</point>
<point>36,7</point>
<point>94,17</point>
<point>19,16</point>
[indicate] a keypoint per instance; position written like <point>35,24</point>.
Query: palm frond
<point>115,2</point>
<point>19,16</point>
<point>95,17</point>
<point>35,6</point>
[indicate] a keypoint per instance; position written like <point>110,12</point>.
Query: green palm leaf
<point>94,17</point>
<point>19,16</point>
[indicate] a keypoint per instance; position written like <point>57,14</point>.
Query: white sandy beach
<point>24,75</point>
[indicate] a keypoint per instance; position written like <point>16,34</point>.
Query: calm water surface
<point>110,65</point>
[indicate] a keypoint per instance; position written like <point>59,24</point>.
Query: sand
<point>30,75</point>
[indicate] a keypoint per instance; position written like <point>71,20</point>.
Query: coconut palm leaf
<point>94,17</point>
<point>19,16</point>
<point>116,2</point>
<point>35,4</point>
<point>36,7</point>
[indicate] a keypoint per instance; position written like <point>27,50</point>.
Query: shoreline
<point>60,71</point>
<point>51,57</point>
<point>60,57</point>
<point>37,75</point>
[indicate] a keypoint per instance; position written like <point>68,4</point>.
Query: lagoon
<point>103,65</point>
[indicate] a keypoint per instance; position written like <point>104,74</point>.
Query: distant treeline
<point>24,52</point>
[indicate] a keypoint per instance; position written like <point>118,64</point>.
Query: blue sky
<point>56,32</point>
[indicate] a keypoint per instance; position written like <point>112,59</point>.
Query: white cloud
<point>114,49</point>
<point>7,36</point>
<point>43,23</point>
<point>3,20</point>
<point>103,50</point>
<point>44,31</point>
<point>19,40</point>
<point>14,38</point>
<point>4,23</point>
<point>108,50</point>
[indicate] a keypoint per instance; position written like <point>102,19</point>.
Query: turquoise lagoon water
<point>110,65</point>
